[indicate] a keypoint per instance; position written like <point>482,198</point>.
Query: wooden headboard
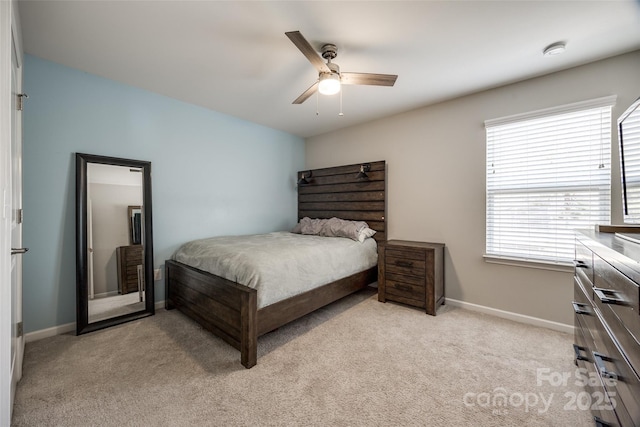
<point>339,192</point>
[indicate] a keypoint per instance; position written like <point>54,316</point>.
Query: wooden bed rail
<point>221,306</point>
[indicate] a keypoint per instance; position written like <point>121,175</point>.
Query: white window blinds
<point>548,173</point>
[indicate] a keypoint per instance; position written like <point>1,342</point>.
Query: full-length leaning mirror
<point>114,241</point>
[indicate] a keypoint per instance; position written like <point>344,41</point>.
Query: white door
<point>11,344</point>
<point>17,336</point>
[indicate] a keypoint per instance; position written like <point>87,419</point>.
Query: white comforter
<point>280,264</point>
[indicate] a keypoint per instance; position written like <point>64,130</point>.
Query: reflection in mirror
<point>115,252</point>
<point>135,218</point>
<point>629,138</point>
<point>114,243</point>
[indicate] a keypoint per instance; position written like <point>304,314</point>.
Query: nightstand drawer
<point>416,281</point>
<point>405,254</point>
<point>406,290</point>
<point>399,265</point>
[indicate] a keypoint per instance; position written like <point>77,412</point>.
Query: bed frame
<point>229,310</point>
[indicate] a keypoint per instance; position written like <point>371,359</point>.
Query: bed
<point>235,312</point>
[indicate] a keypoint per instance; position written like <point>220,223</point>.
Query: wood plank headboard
<point>337,191</point>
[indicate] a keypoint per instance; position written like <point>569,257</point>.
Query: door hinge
<point>18,216</point>
<point>19,329</point>
<point>19,100</point>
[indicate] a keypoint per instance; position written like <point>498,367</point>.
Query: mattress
<point>281,264</point>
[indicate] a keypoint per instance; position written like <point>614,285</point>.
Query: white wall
<point>436,178</point>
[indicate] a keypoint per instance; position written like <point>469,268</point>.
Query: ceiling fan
<point>330,78</point>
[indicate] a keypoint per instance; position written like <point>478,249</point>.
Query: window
<point>548,174</point>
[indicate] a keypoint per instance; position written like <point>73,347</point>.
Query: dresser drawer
<point>584,263</point>
<point>601,406</point>
<point>584,314</point>
<point>583,346</point>
<point>619,379</point>
<point>617,298</point>
<point>134,258</point>
<point>606,410</point>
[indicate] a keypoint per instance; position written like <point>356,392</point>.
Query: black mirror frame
<point>82,273</point>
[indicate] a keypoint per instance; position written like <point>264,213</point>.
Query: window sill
<point>519,262</point>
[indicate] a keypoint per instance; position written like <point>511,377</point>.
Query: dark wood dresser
<point>129,258</point>
<point>411,273</point>
<point>607,326</point>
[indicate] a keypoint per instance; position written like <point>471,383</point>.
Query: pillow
<point>334,227</point>
<point>311,226</point>
<point>308,226</point>
<point>365,233</point>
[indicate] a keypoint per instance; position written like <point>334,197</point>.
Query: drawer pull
<point>577,349</point>
<point>600,423</point>
<point>607,296</point>
<point>578,308</point>
<point>599,359</point>
<point>404,263</point>
<point>580,264</point>
<point>405,288</point>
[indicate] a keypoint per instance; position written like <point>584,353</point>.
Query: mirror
<point>114,241</point>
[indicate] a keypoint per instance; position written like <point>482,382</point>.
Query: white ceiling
<point>233,56</point>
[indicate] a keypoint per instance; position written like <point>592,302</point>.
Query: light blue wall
<point>212,174</point>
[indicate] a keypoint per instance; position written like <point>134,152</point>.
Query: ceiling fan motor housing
<point>329,51</point>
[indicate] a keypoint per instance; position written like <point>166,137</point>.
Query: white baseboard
<point>535,321</point>
<point>63,329</point>
<point>70,327</point>
<point>50,332</point>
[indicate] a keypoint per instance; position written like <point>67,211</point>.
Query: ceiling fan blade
<point>306,94</point>
<point>368,79</point>
<point>307,50</point>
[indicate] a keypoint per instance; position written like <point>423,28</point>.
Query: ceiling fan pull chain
<point>341,114</point>
<point>317,102</point>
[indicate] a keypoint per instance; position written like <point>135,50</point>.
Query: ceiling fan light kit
<point>330,79</point>
<point>329,84</point>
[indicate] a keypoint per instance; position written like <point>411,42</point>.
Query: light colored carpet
<point>357,362</point>
<point>116,305</point>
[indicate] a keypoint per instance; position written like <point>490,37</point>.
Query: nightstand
<point>411,273</point>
